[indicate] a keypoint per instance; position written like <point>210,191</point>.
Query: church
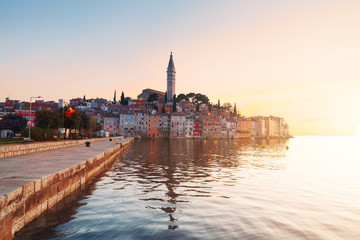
<point>170,84</point>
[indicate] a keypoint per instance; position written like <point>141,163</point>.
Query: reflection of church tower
<point>170,79</point>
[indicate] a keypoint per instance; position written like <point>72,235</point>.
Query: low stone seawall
<point>27,202</point>
<point>20,149</point>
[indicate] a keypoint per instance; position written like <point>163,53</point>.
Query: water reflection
<point>45,226</point>
<point>179,171</point>
<point>193,188</point>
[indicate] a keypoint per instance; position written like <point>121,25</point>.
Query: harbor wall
<point>21,149</point>
<point>30,200</point>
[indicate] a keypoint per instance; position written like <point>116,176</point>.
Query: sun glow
<point>358,130</point>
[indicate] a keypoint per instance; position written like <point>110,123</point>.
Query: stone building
<point>147,92</point>
<point>177,125</point>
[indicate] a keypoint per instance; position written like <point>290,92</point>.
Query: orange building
<point>243,128</point>
<point>211,126</point>
<point>168,107</point>
<point>153,126</point>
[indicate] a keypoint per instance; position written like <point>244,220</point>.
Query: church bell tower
<point>170,79</point>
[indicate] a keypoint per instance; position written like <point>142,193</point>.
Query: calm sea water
<point>191,189</point>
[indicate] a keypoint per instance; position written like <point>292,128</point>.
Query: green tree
<point>47,120</point>
<point>57,119</point>
<point>127,100</point>
<point>38,134</point>
<point>82,121</point>
<point>191,96</point>
<point>182,97</point>
<point>85,120</point>
<point>153,97</point>
<point>235,109</point>
<point>93,126</point>
<point>200,98</point>
<point>98,127</point>
<point>44,119</point>
<point>228,106</point>
<point>154,106</point>
<point>174,103</point>
<point>122,99</point>
<point>73,119</point>
<point>70,120</point>
<point>165,100</point>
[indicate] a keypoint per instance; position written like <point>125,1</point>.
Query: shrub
<point>39,134</point>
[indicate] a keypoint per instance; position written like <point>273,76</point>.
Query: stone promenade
<point>31,184</point>
<point>19,170</point>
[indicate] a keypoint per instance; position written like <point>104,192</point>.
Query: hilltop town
<point>157,114</point>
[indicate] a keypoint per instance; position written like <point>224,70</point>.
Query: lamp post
<point>63,119</point>
<point>30,115</point>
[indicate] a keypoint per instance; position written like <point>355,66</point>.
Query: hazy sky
<point>295,59</point>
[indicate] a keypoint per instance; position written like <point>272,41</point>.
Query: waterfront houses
<point>272,127</point>
<point>142,119</point>
<point>164,127</point>
<point>228,127</point>
<point>198,127</point>
<point>148,123</point>
<point>157,114</point>
<point>111,124</point>
<point>154,126</point>
<point>243,128</point>
<point>253,127</point>
<point>260,126</point>
<point>177,125</point>
<point>189,126</point>
<point>127,123</point>
<point>27,115</point>
<point>212,126</point>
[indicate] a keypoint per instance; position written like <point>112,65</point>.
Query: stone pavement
<point>19,170</point>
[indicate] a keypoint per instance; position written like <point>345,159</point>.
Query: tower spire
<point>171,78</point>
<point>171,65</point>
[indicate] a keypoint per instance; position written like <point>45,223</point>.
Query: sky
<point>296,59</point>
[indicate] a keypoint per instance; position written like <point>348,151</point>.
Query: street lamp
<point>30,115</point>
